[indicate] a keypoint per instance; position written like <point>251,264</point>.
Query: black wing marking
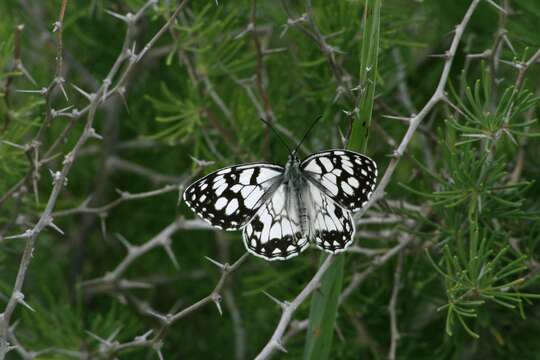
<point>345,176</point>
<point>275,232</point>
<point>228,198</point>
<point>331,226</point>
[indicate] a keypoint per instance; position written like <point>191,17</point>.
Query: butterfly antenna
<point>307,133</point>
<point>269,124</point>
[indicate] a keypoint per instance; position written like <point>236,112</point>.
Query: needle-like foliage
<point>109,110</point>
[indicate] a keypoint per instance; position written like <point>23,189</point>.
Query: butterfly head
<point>293,159</point>
<point>292,168</point>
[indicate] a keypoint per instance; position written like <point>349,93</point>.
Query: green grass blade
<point>369,53</point>
<point>324,303</point>
<point>323,312</point>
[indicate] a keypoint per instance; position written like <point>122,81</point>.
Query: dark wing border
<point>204,189</point>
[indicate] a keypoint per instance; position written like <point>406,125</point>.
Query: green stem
<point>324,304</point>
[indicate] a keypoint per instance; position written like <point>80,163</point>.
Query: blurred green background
<point>465,190</point>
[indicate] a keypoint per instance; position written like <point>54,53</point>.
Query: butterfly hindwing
<point>331,226</point>
<point>345,176</point>
<point>281,211</point>
<point>275,232</point>
<point>228,198</point>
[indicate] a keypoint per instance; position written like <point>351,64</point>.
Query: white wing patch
<point>331,227</point>
<point>275,232</point>
<point>281,213</point>
<point>228,198</point>
<point>346,176</point>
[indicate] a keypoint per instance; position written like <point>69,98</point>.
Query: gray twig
<point>394,333</point>
<point>60,177</point>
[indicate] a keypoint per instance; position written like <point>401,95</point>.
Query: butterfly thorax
<point>295,183</point>
<point>281,210</point>
<point>292,172</point>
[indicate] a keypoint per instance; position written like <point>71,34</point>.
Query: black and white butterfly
<point>282,210</point>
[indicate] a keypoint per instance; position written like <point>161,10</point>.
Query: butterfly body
<point>295,183</point>
<point>281,210</point>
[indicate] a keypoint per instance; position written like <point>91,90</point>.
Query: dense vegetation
<point>109,109</point>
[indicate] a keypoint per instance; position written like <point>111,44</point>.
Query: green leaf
<point>323,312</point>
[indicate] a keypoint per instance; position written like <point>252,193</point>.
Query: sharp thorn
<point>281,304</point>
<point>218,264</point>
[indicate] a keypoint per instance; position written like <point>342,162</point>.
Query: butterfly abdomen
<point>281,210</point>
<point>304,219</point>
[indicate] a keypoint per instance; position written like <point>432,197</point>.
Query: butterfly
<point>281,210</point>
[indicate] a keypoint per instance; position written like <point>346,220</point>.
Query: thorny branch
<point>215,296</point>
<point>275,342</point>
<point>394,335</point>
<point>288,310</point>
<point>124,196</point>
<point>60,177</point>
<point>438,96</point>
<point>114,281</point>
<point>358,278</point>
<point>163,239</point>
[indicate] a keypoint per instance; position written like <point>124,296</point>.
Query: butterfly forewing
<point>228,198</point>
<point>281,211</point>
<point>346,177</point>
<point>275,232</point>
